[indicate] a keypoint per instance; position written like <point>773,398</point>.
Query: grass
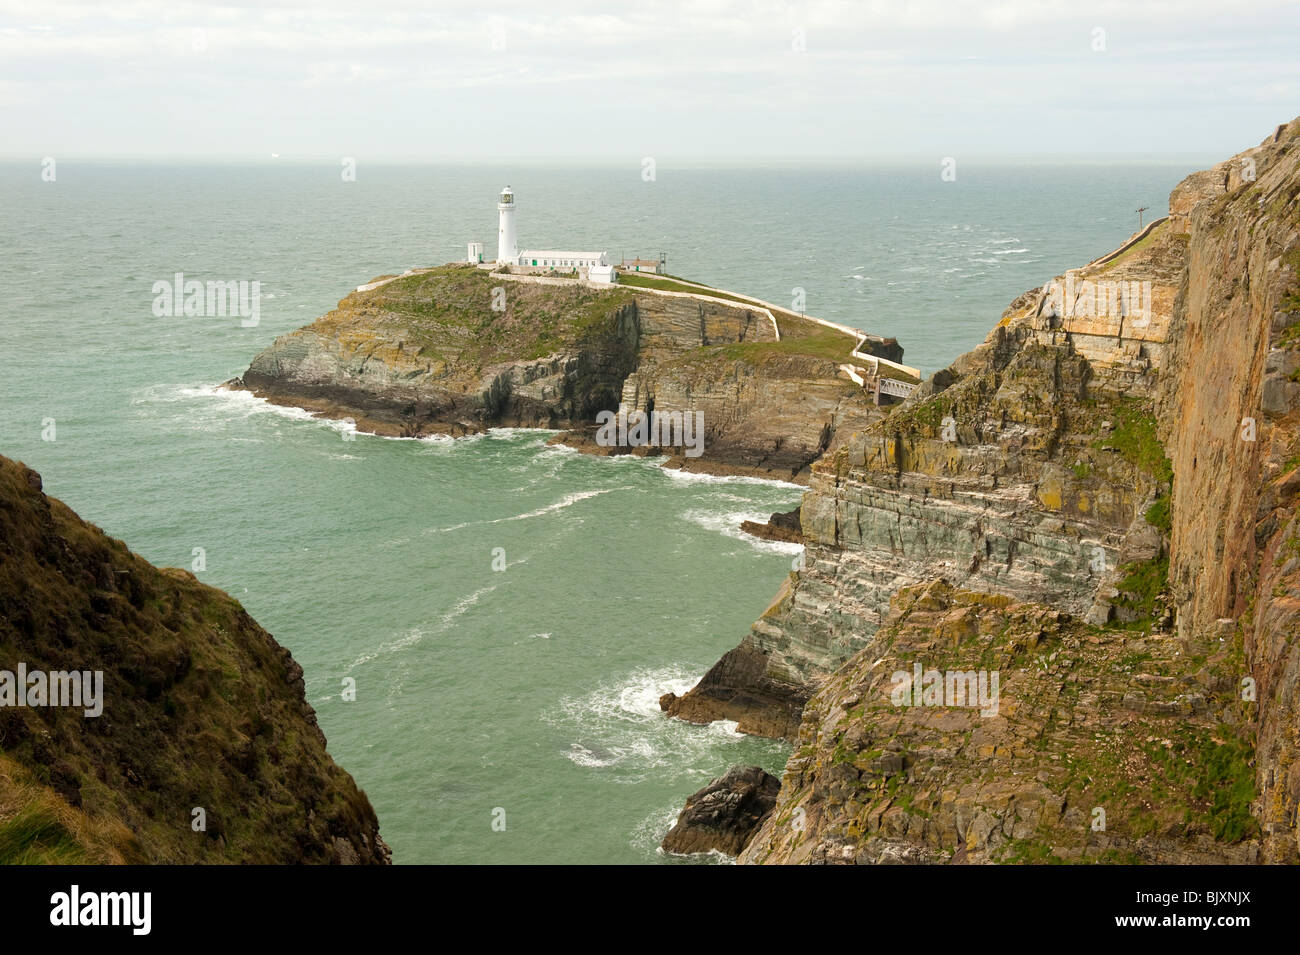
<point>666,283</point>
<point>800,336</point>
<point>35,835</point>
<point>201,708</point>
<point>1158,515</point>
<point>1291,300</point>
<point>447,314</point>
<point>1135,438</point>
<point>1137,247</point>
<point>830,345</point>
<point>1140,591</point>
<point>1215,772</point>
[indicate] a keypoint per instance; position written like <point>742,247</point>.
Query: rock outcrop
<point>1090,746</point>
<point>782,526</point>
<point>1026,468</point>
<point>1098,503</point>
<point>725,814</point>
<point>205,751</point>
<point>455,350</point>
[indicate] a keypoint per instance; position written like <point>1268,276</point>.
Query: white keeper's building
<point>594,266</point>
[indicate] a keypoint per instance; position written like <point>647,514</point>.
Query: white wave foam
<point>414,635</point>
<point>728,524</point>
<point>699,477</point>
<point>237,404</point>
<point>408,639</point>
<point>619,727</point>
<point>648,835</point>
<point>567,501</point>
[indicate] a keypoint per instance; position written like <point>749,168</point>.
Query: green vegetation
<point>1029,852</point>
<point>1218,774</point>
<point>1137,247</point>
<point>1291,300</point>
<point>464,316</point>
<point>828,344</point>
<point>667,283</point>
<point>1135,438</point>
<point>1158,514</point>
<point>35,835</point>
<point>1140,593</point>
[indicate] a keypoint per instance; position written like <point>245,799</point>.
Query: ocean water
<point>527,694</point>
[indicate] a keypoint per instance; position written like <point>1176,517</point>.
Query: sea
<point>485,623</point>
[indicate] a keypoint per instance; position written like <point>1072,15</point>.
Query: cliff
<point>456,349</point>
<point>1098,504</point>
<point>201,708</point>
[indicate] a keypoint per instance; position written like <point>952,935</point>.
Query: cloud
<point>687,75</point>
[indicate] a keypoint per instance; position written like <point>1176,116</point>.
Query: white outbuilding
<point>544,260</point>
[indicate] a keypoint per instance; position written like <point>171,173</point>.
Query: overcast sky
<point>706,80</point>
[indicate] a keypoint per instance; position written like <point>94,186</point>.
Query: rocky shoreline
<point>1099,505</point>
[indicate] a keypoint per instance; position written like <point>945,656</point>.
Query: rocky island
<point>458,349</point>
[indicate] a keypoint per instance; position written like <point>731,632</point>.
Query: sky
<point>706,80</point>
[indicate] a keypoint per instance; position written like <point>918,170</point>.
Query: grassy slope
<point>202,708</point>
<point>799,335</point>
<point>446,314</point>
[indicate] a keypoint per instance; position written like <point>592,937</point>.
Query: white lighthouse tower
<point>507,245</point>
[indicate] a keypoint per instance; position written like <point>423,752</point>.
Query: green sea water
<point>528,693</point>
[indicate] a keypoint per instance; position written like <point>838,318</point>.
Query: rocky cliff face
<point>201,709</point>
<point>1228,410</point>
<point>1026,468</point>
<point>1110,489</point>
<point>456,350</point>
<point>447,351</point>
<point>1094,745</point>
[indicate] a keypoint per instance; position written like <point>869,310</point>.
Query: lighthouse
<point>507,247</point>
<point>593,267</point>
